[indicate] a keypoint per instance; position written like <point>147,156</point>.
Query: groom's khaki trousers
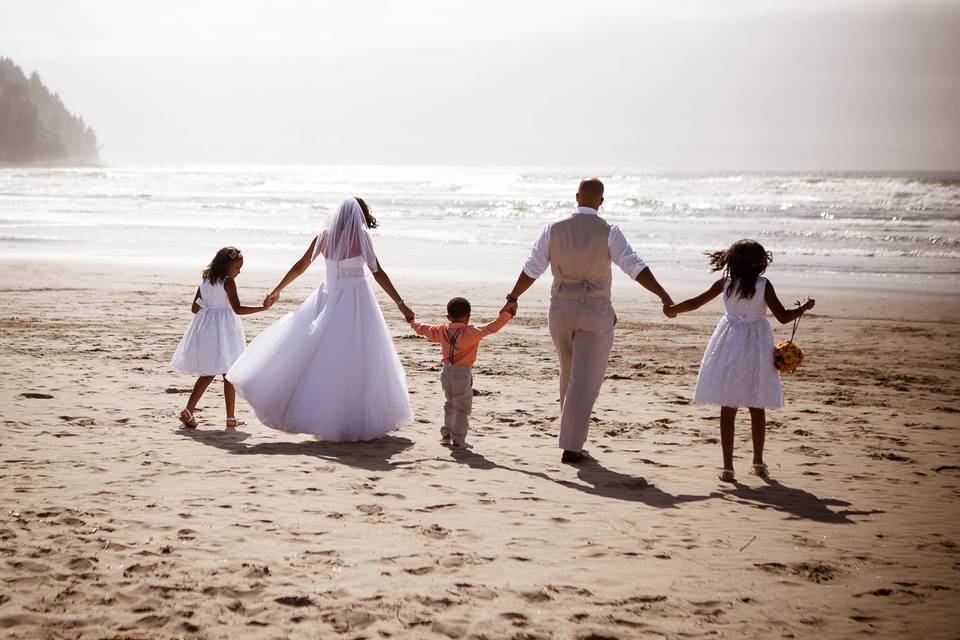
<point>582,332</point>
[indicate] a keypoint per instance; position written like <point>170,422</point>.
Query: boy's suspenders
<point>452,339</point>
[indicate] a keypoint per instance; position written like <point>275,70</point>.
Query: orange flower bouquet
<point>787,355</point>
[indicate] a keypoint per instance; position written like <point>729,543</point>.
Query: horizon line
<point>596,169</point>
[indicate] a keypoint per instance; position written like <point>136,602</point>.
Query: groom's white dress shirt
<point>621,253</point>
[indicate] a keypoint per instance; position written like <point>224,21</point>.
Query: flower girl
<point>214,339</point>
<point>737,369</point>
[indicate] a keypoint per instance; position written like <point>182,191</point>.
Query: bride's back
<point>345,250</point>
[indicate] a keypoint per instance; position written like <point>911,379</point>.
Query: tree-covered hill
<point>35,127</point>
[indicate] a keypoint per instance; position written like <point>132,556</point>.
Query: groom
<point>579,250</point>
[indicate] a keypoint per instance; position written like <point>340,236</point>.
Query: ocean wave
<point>28,239</point>
<point>815,221</point>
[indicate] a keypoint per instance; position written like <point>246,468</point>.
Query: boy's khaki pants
<point>457,383</point>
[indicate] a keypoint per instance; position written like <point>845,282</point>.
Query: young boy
<point>459,341</point>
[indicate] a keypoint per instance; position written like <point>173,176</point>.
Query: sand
<point>115,523</point>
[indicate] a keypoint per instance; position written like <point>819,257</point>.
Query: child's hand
<point>512,308</point>
<point>808,304</point>
<point>668,311</point>
<point>268,302</point>
<point>407,312</point>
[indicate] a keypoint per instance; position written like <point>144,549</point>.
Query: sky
<point>681,84</point>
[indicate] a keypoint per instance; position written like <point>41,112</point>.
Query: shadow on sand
<point>799,504</point>
<point>374,455</point>
<point>598,480</point>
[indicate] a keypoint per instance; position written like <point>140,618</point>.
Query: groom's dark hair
<point>458,308</point>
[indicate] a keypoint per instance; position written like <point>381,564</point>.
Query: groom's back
<point>580,258</point>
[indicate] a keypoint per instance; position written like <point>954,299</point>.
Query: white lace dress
<point>737,367</point>
<point>214,340</point>
<point>329,368</point>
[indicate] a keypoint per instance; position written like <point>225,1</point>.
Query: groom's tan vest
<point>580,258</point>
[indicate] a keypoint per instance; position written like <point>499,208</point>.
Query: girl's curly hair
<point>743,263</point>
<point>216,271</point>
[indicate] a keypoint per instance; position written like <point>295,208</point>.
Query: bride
<point>330,368</point>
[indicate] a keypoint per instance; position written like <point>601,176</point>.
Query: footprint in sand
<point>349,618</point>
<point>79,565</point>
<point>818,572</point>
<point>370,509</point>
<point>140,569</point>
<point>890,456</point>
<point>476,591</point>
<point>294,601</point>
<point>152,622</point>
<point>434,531</point>
<point>516,618</point>
<point>457,559</point>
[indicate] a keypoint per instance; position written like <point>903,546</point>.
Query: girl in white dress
<point>330,369</point>
<point>737,367</point>
<point>214,339</point>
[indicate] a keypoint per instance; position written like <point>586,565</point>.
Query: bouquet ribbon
<point>796,323</point>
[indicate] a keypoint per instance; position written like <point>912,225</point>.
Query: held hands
<point>668,306</point>
<point>407,312</point>
<point>511,306</point>
<point>271,298</point>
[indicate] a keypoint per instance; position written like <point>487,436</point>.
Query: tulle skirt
<point>211,344</point>
<point>328,369</point>
<point>737,367</point>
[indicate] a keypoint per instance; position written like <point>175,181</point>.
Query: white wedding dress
<point>330,368</point>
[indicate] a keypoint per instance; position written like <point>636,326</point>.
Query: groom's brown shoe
<point>573,457</point>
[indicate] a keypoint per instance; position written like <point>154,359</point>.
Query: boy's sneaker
<point>461,444</point>
<point>446,440</point>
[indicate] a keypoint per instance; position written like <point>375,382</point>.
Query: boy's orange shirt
<point>465,338</point>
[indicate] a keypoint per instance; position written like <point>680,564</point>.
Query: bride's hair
<point>216,271</point>
<point>743,263</point>
<point>367,216</point>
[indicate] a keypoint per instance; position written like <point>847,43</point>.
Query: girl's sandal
<point>187,419</point>
<point>726,475</point>
<point>233,423</point>
<point>760,470</point>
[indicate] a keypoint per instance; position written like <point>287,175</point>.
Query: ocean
<point>894,230</point>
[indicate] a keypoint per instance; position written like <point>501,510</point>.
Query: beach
<point>117,523</point>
